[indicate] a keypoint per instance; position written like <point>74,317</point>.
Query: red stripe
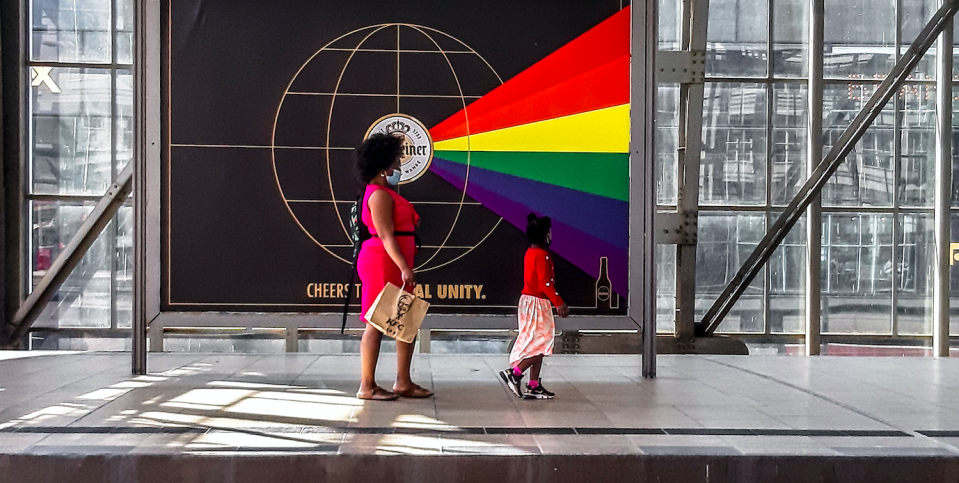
<point>589,73</point>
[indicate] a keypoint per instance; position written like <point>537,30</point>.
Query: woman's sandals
<point>415,392</point>
<point>378,394</point>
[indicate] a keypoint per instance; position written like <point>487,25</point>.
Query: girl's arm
<point>545,275</point>
<point>381,207</point>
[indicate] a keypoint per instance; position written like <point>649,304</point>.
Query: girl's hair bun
<point>531,217</point>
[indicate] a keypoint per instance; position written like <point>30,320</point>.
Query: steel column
<point>813,156</point>
<point>940,296</point>
<point>695,15</point>
<point>818,178</point>
<point>643,92</point>
<point>146,159</point>
<point>139,327</point>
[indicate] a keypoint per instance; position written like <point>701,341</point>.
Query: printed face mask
<point>394,179</point>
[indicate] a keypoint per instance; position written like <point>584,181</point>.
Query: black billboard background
<point>231,243</point>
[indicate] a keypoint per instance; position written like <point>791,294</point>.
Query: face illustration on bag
<point>403,305</point>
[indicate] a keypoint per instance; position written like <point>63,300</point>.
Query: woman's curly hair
<point>377,153</point>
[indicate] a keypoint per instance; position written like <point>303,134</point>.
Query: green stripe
<point>604,174</point>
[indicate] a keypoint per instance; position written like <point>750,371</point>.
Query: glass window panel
<point>71,31</point>
<point>124,268</point>
<point>666,288</point>
<point>866,176</point>
<point>124,119</point>
<point>789,141</point>
<point>954,275</point>
<point>667,143</point>
<point>913,17</point>
<point>670,29</point>
<point>955,147</point>
<point>71,133</point>
<point>787,282</point>
<point>124,31</point>
<point>790,37</point>
<point>914,274</point>
<point>84,298</point>
<point>955,51</point>
<point>733,170</point>
<point>737,37</point>
<point>860,38</point>
<point>917,182</point>
<point>726,239</point>
<point>857,273</point>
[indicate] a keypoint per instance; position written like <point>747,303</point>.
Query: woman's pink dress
<point>374,265</point>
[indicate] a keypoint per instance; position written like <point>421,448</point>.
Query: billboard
<point>507,108</point>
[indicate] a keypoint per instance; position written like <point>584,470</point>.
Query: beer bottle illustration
<point>605,297</point>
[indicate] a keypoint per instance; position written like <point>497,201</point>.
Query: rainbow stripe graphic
<point>554,140</point>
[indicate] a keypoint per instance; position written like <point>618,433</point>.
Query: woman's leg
<point>404,359</point>
<point>369,354</point>
<point>404,385</point>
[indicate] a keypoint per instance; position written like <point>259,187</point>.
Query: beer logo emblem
<point>603,294</point>
<point>417,143</point>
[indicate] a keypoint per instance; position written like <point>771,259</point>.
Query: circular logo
<point>417,143</point>
<point>603,294</point>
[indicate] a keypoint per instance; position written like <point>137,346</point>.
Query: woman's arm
<point>381,207</point>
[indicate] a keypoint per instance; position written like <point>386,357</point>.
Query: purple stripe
<point>604,218</point>
<point>573,244</point>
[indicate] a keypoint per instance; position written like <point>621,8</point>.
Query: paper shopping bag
<point>397,313</point>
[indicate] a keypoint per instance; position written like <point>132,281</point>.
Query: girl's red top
<point>539,276</point>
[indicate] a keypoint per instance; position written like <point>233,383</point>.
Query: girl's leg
<point>530,362</point>
<point>535,368</point>
<point>369,354</point>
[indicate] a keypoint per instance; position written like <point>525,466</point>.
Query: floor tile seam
<point>308,366</point>
<point>879,387</point>
<point>54,366</point>
<point>61,360</point>
<point>907,396</point>
<point>812,393</point>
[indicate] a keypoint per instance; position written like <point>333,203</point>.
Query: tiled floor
<point>706,405</point>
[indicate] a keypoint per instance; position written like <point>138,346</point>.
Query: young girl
<point>536,326</point>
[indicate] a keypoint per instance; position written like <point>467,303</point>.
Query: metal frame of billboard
<point>150,320</point>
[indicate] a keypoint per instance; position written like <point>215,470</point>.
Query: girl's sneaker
<point>513,382</point>
<point>538,392</point>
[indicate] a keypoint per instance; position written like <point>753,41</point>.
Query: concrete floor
<point>88,403</point>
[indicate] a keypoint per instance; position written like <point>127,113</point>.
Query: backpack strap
<point>355,219</point>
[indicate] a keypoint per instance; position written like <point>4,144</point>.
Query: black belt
<point>406,233</point>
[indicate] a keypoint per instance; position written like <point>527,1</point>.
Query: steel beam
<point>146,75</point>
<point>813,156</point>
<point>68,259</point>
<point>644,44</point>
<point>940,294</point>
<point>695,15</point>
<point>818,178</point>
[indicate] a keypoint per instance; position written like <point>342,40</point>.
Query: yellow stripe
<point>600,131</point>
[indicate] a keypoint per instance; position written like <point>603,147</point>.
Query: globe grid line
<point>276,119</point>
<point>430,96</point>
<point>375,29</point>
<point>466,183</point>
<point>405,51</point>
<point>329,122</point>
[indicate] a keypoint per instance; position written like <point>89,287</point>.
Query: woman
<point>387,257</point>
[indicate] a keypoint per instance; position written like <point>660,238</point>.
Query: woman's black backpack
<point>359,233</point>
